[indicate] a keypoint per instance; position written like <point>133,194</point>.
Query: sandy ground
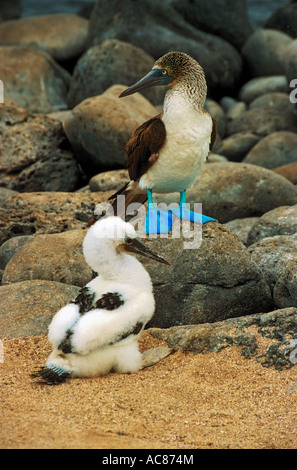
<point>183,402</point>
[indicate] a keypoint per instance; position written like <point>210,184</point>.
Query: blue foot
<point>186,214</point>
<point>158,221</point>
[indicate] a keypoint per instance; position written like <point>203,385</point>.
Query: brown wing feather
<point>145,143</point>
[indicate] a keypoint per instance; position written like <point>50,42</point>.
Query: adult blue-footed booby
<point>166,153</point>
<point>99,331</point>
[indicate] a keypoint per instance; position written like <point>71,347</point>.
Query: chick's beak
<point>140,248</point>
<point>153,78</point>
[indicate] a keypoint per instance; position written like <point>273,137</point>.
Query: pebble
<point>259,86</point>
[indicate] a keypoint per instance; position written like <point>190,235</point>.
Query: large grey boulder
<point>225,18</point>
<point>33,79</point>
<point>34,153</point>
<point>231,190</point>
<point>264,52</point>
<point>62,35</point>
<point>99,128</point>
<point>27,308</point>
<point>279,221</point>
<point>158,28</point>
<point>111,62</point>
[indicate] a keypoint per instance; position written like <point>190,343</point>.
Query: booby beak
<point>137,247</point>
<point>153,78</point>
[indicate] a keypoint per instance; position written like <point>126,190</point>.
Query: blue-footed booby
<point>166,153</point>
<point>99,331</point>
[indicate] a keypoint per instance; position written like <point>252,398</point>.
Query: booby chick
<point>166,153</point>
<point>99,331</point>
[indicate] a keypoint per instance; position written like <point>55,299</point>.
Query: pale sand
<point>183,402</point>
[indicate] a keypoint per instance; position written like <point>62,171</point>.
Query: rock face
<point>231,190</point>
<point>28,307</point>
<point>160,29</point>
<point>33,79</point>
<point>100,127</point>
<point>227,19</point>
<point>61,35</point>
<point>123,63</point>
<point>34,153</point>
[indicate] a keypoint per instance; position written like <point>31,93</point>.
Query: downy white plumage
<point>99,331</point>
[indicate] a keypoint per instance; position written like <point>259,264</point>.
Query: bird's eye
<point>129,241</point>
<point>164,72</point>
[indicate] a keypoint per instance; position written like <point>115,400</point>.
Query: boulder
<point>276,329</point>
<point>262,122</point>
<point>274,150</point>
<point>242,227</point>
<point>285,291</point>
<point>284,19</point>
<point>123,63</point>
<point>236,146</point>
<point>61,35</point>
<point>5,194</point>
<point>34,153</point>
<point>47,212</point>
<point>27,308</point>
<point>99,128</point>
<point>288,171</point>
<point>279,221</point>
<point>276,100</point>
<point>259,86</point>
<point>33,79</point>
<point>273,254</point>
<point>10,10</point>
<point>230,190</point>
<point>215,281</point>
<point>264,52</point>
<point>290,62</point>
<point>10,247</point>
<point>109,180</point>
<point>159,28</point>
<point>217,112</point>
<point>52,257</point>
<point>227,19</point>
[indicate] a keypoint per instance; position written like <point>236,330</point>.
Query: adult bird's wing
<point>143,147</point>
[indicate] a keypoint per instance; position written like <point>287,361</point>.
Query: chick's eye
<point>164,72</point>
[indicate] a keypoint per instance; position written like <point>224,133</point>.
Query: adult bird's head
<point>174,69</point>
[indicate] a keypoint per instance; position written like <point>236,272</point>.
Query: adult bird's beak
<point>136,246</point>
<point>153,78</point>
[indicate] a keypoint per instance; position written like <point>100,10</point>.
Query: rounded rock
<point>276,149</point>
<point>264,52</point>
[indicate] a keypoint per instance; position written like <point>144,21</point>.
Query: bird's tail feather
<point>51,375</point>
<point>132,193</point>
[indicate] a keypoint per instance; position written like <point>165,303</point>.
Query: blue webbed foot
<point>185,214</point>
<point>158,221</point>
